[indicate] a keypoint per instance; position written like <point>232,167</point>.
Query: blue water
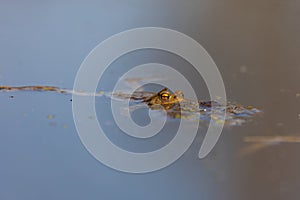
<point>255,45</point>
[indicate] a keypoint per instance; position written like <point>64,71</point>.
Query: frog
<point>176,106</point>
<point>173,104</point>
<point>164,99</point>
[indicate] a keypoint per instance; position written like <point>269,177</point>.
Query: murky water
<point>255,45</point>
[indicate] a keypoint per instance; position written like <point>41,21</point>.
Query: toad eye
<point>165,96</point>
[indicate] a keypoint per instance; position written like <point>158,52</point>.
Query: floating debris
<point>32,88</point>
<point>272,139</point>
<point>283,90</point>
<point>261,142</point>
<point>50,116</point>
<point>138,81</point>
<point>48,89</point>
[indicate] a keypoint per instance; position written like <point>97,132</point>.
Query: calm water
<point>256,46</point>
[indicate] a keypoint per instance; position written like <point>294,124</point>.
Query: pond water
<point>256,47</point>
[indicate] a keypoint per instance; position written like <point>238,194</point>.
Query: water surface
<point>255,44</point>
